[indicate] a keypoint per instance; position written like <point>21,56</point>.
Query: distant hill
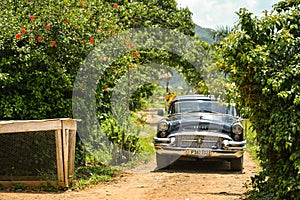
<point>204,34</point>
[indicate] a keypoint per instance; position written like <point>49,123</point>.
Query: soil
<point>184,180</point>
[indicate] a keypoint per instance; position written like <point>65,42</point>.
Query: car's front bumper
<point>230,149</point>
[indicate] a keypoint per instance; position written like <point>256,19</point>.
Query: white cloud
<point>214,13</point>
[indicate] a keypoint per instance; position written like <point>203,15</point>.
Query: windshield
<point>202,106</point>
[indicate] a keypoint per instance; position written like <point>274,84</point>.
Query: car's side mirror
<point>161,112</point>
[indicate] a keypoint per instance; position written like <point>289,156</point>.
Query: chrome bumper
<point>230,149</point>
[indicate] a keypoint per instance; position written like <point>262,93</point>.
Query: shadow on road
<point>205,167</point>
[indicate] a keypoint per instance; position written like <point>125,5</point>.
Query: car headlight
<point>163,126</point>
<point>237,128</point>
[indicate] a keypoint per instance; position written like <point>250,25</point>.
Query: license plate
<point>197,152</point>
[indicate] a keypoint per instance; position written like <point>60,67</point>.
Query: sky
<point>216,13</point>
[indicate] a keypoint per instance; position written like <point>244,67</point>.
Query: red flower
<point>116,5</point>
<point>31,17</point>
<point>23,31</point>
<point>39,39</point>
<point>92,40</point>
<point>53,43</point>
<point>48,26</point>
<point>65,21</point>
<point>111,32</point>
<point>18,36</point>
<point>136,54</point>
<point>82,4</point>
<point>106,89</point>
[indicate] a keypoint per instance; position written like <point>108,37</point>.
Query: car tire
<point>163,161</point>
<point>237,164</point>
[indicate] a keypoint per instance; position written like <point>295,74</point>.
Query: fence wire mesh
<point>30,154</point>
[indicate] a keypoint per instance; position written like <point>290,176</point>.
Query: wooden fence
<point>64,131</point>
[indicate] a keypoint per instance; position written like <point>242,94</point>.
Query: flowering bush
<point>42,45</point>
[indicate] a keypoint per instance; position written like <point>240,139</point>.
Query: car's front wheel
<point>237,164</point>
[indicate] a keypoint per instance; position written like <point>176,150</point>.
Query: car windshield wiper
<point>192,111</point>
<point>195,111</point>
<point>210,111</point>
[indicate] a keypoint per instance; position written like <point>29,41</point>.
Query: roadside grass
<point>147,150</point>
<point>92,174</point>
<point>252,147</point>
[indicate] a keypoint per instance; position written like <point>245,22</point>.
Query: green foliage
<point>43,44</point>
<point>116,134</point>
<point>18,186</point>
<point>92,174</point>
<point>261,58</point>
<point>220,33</point>
<point>47,187</point>
<point>138,100</point>
<point>250,134</point>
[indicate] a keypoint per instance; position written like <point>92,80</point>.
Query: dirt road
<point>183,181</point>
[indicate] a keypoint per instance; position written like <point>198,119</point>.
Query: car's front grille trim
<point>197,141</point>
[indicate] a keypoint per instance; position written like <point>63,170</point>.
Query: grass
<point>92,174</point>
<point>18,186</point>
<point>147,150</point>
<point>252,147</point>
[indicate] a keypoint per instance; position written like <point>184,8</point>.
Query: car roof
<point>194,97</point>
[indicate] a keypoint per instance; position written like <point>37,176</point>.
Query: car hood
<point>214,117</point>
<point>202,121</point>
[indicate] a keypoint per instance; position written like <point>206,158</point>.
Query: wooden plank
<point>31,183</point>
<point>19,178</point>
<point>65,133</point>
<point>72,143</point>
<point>59,156</point>
<point>70,124</point>
<point>29,126</point>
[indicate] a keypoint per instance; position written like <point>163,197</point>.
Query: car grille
<point>197,141</point>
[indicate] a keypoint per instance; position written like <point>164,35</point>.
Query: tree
<point>221,33</point>
<point>261,57</point>
<point>51,40</point>
<point>43,45</point>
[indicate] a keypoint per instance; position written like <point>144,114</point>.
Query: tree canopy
<point>261,58</point>
<point>42,45</point>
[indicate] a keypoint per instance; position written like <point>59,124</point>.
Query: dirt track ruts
<point>183,181</point>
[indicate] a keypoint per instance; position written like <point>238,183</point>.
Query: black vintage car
<point>200,127</point>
